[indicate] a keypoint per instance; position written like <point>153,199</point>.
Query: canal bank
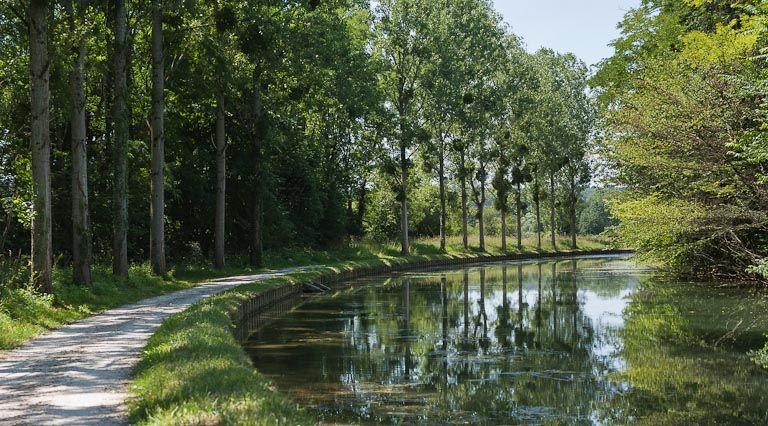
<point>195,370</point>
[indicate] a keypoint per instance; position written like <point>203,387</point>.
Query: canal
<point>588,340</point>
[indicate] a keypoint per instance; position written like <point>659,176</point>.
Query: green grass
<point>25,314</point>
<point>195,372</point>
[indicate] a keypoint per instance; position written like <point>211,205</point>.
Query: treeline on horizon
<point>684,119</point>
<point>139,130</point>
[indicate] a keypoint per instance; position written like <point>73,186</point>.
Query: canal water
<point>580,341</point>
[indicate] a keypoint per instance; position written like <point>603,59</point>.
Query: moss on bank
<point>195,372</point>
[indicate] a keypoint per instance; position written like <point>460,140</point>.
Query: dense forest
<point>684,118</point>
<point>137,131</point>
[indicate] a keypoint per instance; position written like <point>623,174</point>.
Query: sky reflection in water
<point>577,341</point>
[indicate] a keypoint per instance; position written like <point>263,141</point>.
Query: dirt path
<point>79,374</point>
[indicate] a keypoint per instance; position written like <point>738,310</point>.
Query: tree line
<point>135,130</point>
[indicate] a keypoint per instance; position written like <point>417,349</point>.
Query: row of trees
<point>469,103</point>
<point>237,125</point>
<point>683,101</point>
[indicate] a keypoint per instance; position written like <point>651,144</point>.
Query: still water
<point>581,341</point>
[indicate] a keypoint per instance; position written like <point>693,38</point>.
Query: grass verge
<point>195,372</point>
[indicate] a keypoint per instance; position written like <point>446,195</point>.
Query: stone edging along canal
<point>247,318</point>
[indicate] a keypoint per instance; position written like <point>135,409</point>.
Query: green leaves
<point>685,134</point>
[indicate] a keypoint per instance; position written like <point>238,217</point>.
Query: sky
<point>583,27</point>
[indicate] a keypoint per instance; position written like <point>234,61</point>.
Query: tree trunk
<point>81,228</point>
<point>157,206</point>
<point>221,184</point>
<point>537,201</point>
<point>552,210</point>
<point>40,142</point>
<point>257,248</point>
<point>519,214</point>
<point>406,248</point>
<point>503,229</point>
<point>443,214</point>
<point>120,145</point>
<point>480,219</point>
<point>361,207</point>
<point>572,211</point>
<point>464,213</point>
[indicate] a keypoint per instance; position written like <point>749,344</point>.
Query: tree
<point>157,132</point>
<point>81,227</point>
<point>442,96</point>
<point>221,183</point>
<point>562,129</point>
<point>39,70</point>
<point>483,101</point>
<point>520,175</point>
<point>401,33</point>
<point>502,187</point>
<point>120,128</point>
<point>679,100</point>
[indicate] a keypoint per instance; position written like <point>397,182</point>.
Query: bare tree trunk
<point>443,214</point>
<point>40,142</point>
<point>480,218</point>
<point>406,248</point>
<point>157,206</point>
<point>120,148</point>
<point>81,228</point>
<point>572,211</point>
<point>257,248</point>
<point>519,214</point>
<point>503,229</point>
<point>221,184</point>
<point>537,201</point>
<point>464,213</point>
<point>552,210</point>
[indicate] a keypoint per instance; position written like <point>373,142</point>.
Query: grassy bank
<point>195,372</point>
<point>25,314</point>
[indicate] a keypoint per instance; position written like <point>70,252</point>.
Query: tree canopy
<point>222,129</point>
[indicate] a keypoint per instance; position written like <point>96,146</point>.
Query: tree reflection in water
<point>452,346</point>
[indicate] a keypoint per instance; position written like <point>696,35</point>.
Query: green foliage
<point>682,102</point>
<point>595,216</point>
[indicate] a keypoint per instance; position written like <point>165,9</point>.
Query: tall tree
<point>81,227</point>
<point>157,180</point>
<point>520,176</point>
<point>478,184</point>
<point>258,125</point>
<point>120,129</point>
<point>40,142</point>
<point>463,173</point>
<point>225,20</point>
<point>501,185</point>
<point>402,31</point>
<point>221,183</point>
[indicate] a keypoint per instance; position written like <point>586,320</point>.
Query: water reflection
<point>555,342</point>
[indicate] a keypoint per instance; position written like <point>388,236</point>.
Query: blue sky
<point>583,27</point>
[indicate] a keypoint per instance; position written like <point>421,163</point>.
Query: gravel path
<point>79,374</point>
